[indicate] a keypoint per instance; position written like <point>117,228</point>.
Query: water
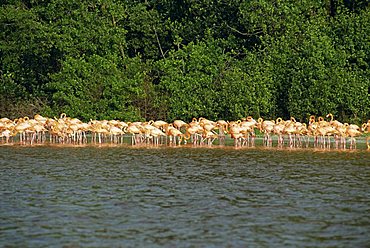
<point>122,196</point>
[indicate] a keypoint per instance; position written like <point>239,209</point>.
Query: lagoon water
<point>124,196</point>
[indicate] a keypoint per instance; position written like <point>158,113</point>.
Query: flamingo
<point>290,130</point>
<point>135,131</point>
<point>160,124</point>
<point>6,134</point>
<point>194,122</point>
<point>210,136</point>
<point>40,119</point>
<point>194,132</point>
<point>5,120</point>
<point>174,133</point>
<point>338,126</point>
<point>278,129</point>
<point>38,132</point>
<point>147,128</point>
<point>367,128</point>
<point>322,121</point>
<point>266,127</point>
<point>300,128</point>
<point>332,122</point>
<point>222,127</point>
<point>114,132</point>
<point>179,124</point>
<point>324,131</point>
<point>81,131</point>
<point>352,132</point>
<point>234,130</point>
<point>67,129</point>
<point>21,127</point>
<point>6,129</point>
<point>156,133</point>
<point>247,126</point>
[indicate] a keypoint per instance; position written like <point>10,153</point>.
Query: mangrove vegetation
<point>151,59</point>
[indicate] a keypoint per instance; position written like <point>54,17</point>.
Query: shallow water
<point>123,196</point>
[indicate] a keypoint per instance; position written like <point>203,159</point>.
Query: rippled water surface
<point>122,196</point>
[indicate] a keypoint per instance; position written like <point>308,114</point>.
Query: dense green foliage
<point>151,59</point>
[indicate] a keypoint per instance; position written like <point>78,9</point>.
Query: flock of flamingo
<point>201,131</point>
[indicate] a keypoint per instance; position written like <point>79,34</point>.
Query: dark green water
<point>121,196</point>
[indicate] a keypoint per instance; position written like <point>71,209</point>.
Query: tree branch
<point>120,44</point>
<point>159,44</point>
<point>244,34</point>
